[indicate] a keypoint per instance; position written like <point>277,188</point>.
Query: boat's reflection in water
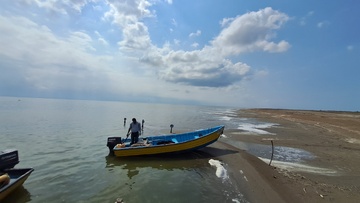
<point>169,162</point>
<point>185,177</point>
<point>20,194</point>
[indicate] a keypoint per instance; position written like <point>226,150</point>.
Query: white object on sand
<point>220,170</point>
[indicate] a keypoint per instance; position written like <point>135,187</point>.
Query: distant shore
<point>332,136</point>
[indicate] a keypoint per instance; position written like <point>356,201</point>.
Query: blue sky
<point>239,53</point>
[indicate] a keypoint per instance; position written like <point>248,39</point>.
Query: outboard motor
<point>112,142</point>
<point>8,159</point>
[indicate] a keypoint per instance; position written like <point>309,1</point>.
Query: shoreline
<point>332,137</point>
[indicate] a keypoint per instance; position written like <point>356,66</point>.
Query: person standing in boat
<point>135,129</point>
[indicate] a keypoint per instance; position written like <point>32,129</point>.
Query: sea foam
<point>256,128</point>
<point>298,167</point>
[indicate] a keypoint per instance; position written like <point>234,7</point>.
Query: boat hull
<point>207,137</point>
<point>17,179</point>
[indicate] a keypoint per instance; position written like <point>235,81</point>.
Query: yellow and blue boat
<point>162,144</point>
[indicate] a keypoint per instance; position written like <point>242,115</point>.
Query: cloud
<point>177,42</point>
<point>207,75</point>
<point>101,38</point>
<point>135,37</point>
<point>128,12</point>
<point>226,21</point>
<point>43,56</point>
<point>210,66</point>
<point>46,62</point>
<point>323,24</point>
<point>59,6</point>
<point>304,19</point>
<point>103,41</point>
<point>128,15</point>
<point>195,34</point>
<point>195,45</point>
<point>201,68</point>
<point>252,32</point>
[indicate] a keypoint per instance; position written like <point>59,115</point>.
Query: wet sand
<point>332,176</point>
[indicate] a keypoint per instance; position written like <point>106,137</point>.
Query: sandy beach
<point>332,176</point>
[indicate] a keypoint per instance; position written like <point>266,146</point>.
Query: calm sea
<point>65,142</point>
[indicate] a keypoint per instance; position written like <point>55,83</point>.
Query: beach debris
<point>246,179</point>
<point>321,195</point>
<point>304,190</point>
<point>242,172</point>
<point>119,200</point>
<point>223,136</point>
<point>220,170</point>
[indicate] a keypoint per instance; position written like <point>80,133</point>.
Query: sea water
<point>65,142</point>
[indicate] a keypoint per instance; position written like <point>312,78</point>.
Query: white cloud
<point>135,37</point>
<point>323,24</point>
<point>197,68</point>
<point>128,12</point>
<point>71,59</point>
<point>128,16</point>
<point>81,40</point>
<point>210,67</point>
<point>195,45</point>
<point>59,6</point>
<point>54,6</point>
<point>252,32</point>
<point>304,19</point>
<point>52,63</point>
<point>101,39</point>
<point>176,42</point>
<point>195,34</point>
<point>226,21</point>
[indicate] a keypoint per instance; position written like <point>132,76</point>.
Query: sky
<point>236,53</point>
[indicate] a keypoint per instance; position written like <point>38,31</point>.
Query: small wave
<point>256,128</point>
<point>225,118</point>
<point>301,167</point>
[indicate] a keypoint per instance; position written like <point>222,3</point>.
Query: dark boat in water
<point>11,178</point>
